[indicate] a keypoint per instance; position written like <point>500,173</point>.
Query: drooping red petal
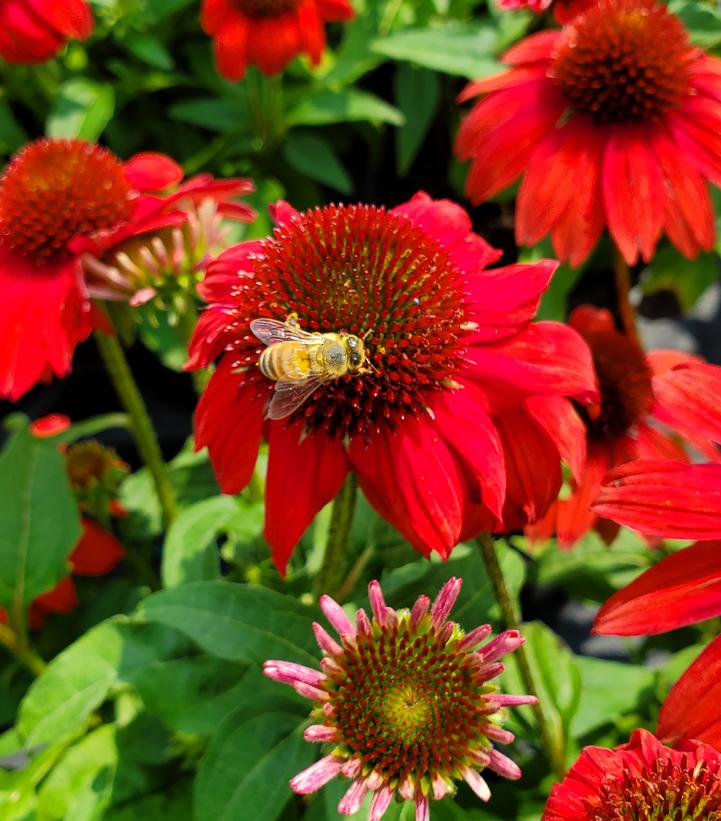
<point>691,709</point>
<point>312,33</point>
<point>230,46</point>
<point>634,194</point>
<point>305,473</point>
<point>473,436</point>
<point>97,552</point>
<point>43,316</point>
<point>666,498</point>
<point>558,417</point>
<point>229,420</point>
<point>415,482</point>
<point>72,18</point>
<point>152,171</point>
<point>273,42</point>
<point>683,589</point>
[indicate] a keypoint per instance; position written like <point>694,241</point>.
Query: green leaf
<point>557,679</point>
<point>702,21</point>
<point>464,49</point>
<point>12,134</point>
<point>236,621</point>
<point>325,107</point>
<point>39,522</point>
<point>254,748</point>
<point>688,279</point>
<point>174,801</point>
<point>417,92</point>
<point>82,109</point>
<point>191,695</point>
<point>150,50</point>
<point>608,689</point>
<point>211,113</point>
<point>80,785</point>
<point>315,158</point>
<point>77,681</point>
<point>189,552</point>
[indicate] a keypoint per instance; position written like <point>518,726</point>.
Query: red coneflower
<point>640,780</point>
<point>613,121</point>
<point>32,31</point>
<point>61,201</point>
<point>637,389</point>
<point>456,422</point>
<point>563,10</point>
<point>404,703</point>
<point>268,33</point>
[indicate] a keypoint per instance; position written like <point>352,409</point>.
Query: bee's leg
<point>292,320</point>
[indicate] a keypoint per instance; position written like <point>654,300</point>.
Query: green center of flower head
<point>265,8</point>
<point>407,703</point>
<point>623,61</point>
<point>663,791</point>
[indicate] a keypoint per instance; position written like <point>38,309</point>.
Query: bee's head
<point>356,350</point>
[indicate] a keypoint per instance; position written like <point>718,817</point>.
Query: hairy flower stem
<point>627,312</point>
<point>508,612</point>
<point>122,378</point>
<point>21,650</point>
<point>336,547</point>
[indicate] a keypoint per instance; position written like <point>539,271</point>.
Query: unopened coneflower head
<point>403,703</point>
<point>640,781</point>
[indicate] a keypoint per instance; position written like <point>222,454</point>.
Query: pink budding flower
<point>403,703</point>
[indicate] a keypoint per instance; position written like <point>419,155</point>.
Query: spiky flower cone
<point>403,703</point>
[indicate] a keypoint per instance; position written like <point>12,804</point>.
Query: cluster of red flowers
<point>390,349</point>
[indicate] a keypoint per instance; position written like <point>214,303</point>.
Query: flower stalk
<point>121,376</point>
<point>622,279</point>
<point>21,650</point>
<point>336,547</point>
<point>510,619</point>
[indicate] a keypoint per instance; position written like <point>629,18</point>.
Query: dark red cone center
<point>624,61</point>
<point>663,791</point>
<point>265,8</point>
<point>54,190</point>
<point>624,380</point>
<point>364,271</point>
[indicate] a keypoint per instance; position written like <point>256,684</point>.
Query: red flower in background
<point>613,121</point>
<point>640,780</point>
<point>637,389</point>
<point>458,423</point>
<point>59,200</point>
<point>33,31</point>
<point>268,33</point>
<point>563,10</point>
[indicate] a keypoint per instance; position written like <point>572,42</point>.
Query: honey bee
<point>299,362</point>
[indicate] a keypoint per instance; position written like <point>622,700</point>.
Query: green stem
<point>508,612</point>
<point>336,548</point>
<point>622,276</point>
<point>122,378</point>
<point>21,650</point>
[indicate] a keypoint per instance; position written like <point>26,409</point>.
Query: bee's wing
<point>271,331</point>
<point>289,396</point>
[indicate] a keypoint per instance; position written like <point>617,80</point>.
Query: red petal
<point>336,10</point>
<point>214,12</point>
<point>471,433</point>
<point>229,420</point>
<point>151,171</point>
<point>72,18</point>
<point>305,473</point>
<point>24,36</point>
<point>273,42</point>
<point>50,425</point>
<point>536,48</point>
<point>61,599</point>
<point>547,358</point>
<point>664,498</point>
<point>683,589</point>
<point>691,709</point>
<point>443,220</point>
<point>43,316</point>
<point>559,419</point>
<point>231,47</point>
<point>97,552</point>
<point>574,517</point>
<point>312,33</point>
<point>634,194</point>
<point>415,482</point>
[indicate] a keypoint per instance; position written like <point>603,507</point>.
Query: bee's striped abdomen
<point>285,360</point>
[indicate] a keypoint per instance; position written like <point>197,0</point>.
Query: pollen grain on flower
<point>405,702</point>
<point>55,190</point>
